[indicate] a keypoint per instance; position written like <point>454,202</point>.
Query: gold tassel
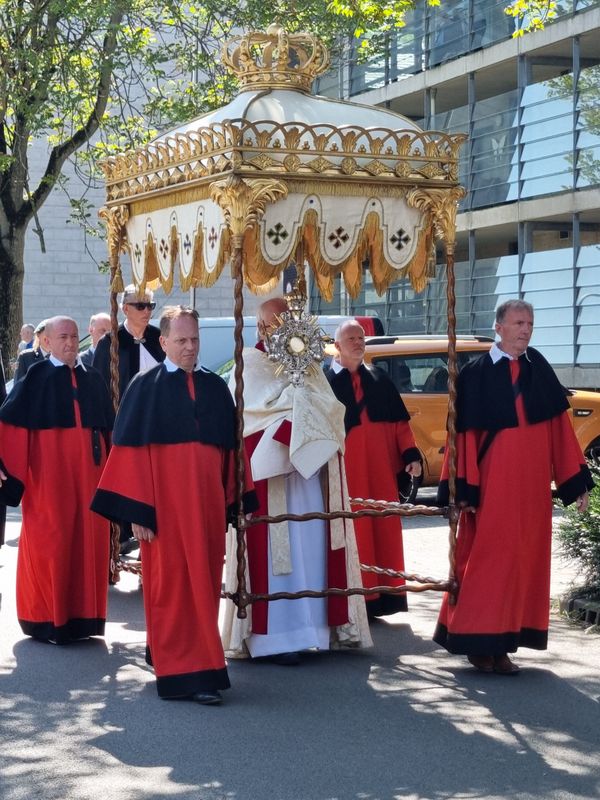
<point>117,284</point>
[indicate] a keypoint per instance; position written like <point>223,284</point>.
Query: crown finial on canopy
<point>276,59</point>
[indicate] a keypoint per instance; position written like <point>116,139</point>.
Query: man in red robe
<point>514,437</point>
<point>171,474</point>
<point>54,429</point>
<point>379,445</point>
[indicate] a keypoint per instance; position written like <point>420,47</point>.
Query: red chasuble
<point>373,458</point>
<point>503,549</point>
<point>62,565</point>
<point>181,490</point>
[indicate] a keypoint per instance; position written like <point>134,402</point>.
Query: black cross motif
<point>187,244</point>
<point>277,234</point>
<point>400,239</point>
<point>137,252</point>
<point>212,237</point>
<point>164,248</point>
<point>338,237</point>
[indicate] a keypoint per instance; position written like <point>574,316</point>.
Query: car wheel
<point>592,452</point>
<point>408,487</point>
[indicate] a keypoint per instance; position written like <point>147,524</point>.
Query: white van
<point>217,342</point>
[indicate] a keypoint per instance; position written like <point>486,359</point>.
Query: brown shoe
<point>504,666</point>
<point>482,663</point>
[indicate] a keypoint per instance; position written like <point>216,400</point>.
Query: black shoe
<point>291,659</point>
<point>207,697</point>
<point>128,546</point>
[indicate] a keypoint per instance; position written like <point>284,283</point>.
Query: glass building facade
<point>529,225</point>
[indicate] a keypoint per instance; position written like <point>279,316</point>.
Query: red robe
<point>62,566</point>
<point>181,491</point>
<point>375,454</point>
<point>504,548</point>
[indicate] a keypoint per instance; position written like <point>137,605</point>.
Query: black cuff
<point>577,485</point>
<point>250,501</point>
<point>12,489</point>
<point>412,454</point>
<point>117,508</point>
<point>465,493</point>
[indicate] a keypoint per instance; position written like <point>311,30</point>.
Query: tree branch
<point>62,152</point>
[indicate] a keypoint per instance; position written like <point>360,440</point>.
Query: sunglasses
<point>143,306</point>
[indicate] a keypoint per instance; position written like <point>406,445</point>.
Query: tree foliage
<point>588,92</point>
<point>91,77</point>
<point>579,536</point>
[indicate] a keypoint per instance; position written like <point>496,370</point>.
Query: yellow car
<point>418,365</point>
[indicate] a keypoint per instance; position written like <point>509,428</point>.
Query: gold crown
<point>276,59</point>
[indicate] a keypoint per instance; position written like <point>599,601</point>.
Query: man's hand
<point>142,534</point>
<point>414,469</point>
<point>582,502</point>
<point>2,477</point>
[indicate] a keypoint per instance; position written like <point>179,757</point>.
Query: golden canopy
<point>279,169</point>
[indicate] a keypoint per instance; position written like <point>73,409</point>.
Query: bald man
<point>54,430</point>
<point>99,325</point>
<point>379,446</point>
<point>295,439</point>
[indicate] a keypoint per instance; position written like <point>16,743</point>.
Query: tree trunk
<point>12,273</point>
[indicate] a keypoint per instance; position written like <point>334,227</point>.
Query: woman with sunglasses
<point>139,351</point>
<point>139,345</point>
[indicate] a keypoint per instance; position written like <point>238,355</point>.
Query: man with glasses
<point>139,345</point>
<point>139,351</point>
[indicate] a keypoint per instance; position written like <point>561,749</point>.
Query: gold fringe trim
<point>172,198</point>
<point>261,276</point>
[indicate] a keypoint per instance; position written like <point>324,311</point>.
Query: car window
<point>424,373</point>
<point>225,370</point>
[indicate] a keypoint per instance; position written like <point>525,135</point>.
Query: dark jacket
<point>129,354</point>
<point>87,357</point>
<point>27,359</point>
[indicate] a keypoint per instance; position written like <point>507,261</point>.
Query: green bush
<point>579,537</point>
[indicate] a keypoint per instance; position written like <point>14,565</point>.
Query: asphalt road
<point>403,720</point>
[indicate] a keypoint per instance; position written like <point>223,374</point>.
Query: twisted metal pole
<point>114,389</point>
<point>453,511</point>
<point>240,597</point>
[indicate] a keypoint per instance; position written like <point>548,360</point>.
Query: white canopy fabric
<point>280,169</point>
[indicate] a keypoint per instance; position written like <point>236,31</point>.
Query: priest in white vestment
<point>294,438</point>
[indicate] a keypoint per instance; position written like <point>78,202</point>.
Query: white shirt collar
<point>335,365</point>
<point>171,367</point>
<point>57,363</point>
<point>496,353</point>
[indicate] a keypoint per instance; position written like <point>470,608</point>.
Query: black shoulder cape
<point>157,409</point>
<point>486,400</point>
<point>42,399</point>
<point>380,397</point>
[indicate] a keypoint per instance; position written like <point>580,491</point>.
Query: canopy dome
<point>282,168</point>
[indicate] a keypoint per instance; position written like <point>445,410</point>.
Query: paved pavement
<point>404,720</point>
